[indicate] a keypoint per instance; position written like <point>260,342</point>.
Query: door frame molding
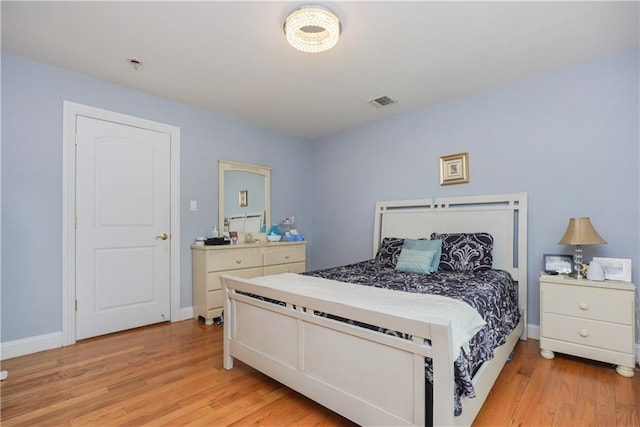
<point>71,111</point>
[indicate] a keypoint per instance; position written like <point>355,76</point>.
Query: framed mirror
<point>244,196</point>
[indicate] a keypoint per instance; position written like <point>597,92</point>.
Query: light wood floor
<point>171,374</point>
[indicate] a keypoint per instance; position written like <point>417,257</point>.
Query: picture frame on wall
<point>454,169</point>
<point>615,268</point>
<point>558,263</point>
<point>243,198</point>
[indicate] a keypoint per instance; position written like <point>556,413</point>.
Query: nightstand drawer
<point>285,254</point>
<point>590,333</point>
<point>588,303</point>
<point>234,259</point>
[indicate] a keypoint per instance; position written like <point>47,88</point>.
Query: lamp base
<point>577,262</point>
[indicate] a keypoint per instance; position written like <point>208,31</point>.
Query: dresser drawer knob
<point>286,257</point>
<point>584,306</point>
<point>584,333</point>
<point>238,261</point>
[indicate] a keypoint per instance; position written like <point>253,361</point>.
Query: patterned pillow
<point>389,251</point>
<point>416,257</point>
<point>465,251</point>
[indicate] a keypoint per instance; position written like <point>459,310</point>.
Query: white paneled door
<point>123,234</point>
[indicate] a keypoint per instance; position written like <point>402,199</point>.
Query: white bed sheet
<point>465,320</point>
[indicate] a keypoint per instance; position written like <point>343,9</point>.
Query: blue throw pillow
<point>427,245</point>
<point>419,256</point>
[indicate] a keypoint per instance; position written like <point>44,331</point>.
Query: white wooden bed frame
<point>366,376</point>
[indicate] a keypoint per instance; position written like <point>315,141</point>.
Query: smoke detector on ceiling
<point>381,101</point>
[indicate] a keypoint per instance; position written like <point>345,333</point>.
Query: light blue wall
<point>570,139</point>
<point>32,101</point>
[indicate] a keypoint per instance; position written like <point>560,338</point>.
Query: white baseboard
<point>30,345</point>
<point>38,343</point>
<point>185,313</point>
<point>533,331</point>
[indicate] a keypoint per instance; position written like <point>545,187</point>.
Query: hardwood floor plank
<point>172,374</point>
<point>511,382</point>
<point>627,416</point>
<point>587,396</point>
<point>530,409</point>
<point>49,413</point>
<point>605,398</point>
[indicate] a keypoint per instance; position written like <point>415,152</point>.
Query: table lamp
<point>580,232</point>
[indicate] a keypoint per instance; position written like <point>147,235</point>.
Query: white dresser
<point>244,260</point>
<point>595,320</point>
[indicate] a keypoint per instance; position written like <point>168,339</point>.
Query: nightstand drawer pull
<point>584,333</point>
<point>583,306</point>
<point>239,261</point>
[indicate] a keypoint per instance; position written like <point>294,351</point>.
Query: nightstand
<point>594,320</point>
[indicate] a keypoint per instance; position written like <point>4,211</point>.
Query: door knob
<point>163,236</point>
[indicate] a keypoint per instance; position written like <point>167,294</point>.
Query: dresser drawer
<point>591,333</point>
<point>588,303</point>
<point>233,259</point>
<point>214,299</point>
<point>285,254</point>
<point>296,267</point>
<point>214,312</point>
<point>244,261</point>
<point>213,279</point>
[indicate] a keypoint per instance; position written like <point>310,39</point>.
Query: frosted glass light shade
<point>312,28</point>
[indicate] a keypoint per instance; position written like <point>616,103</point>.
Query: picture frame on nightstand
<point>558,263</point>
<point>615,268</point>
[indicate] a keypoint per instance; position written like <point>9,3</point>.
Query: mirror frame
<point>226,165</point>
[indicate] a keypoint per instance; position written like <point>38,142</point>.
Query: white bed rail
<point>339,365</point>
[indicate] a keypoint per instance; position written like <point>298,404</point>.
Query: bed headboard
<point>504,216</point>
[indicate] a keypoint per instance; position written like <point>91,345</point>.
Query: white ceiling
<point>233,58</point>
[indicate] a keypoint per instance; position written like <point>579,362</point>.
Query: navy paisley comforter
<point>493,293</point>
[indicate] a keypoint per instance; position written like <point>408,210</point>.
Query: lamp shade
<point>581,232</point>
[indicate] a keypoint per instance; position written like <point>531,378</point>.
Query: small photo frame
<point>558,263</point>
<point>454,169</point>
<point>243,198</point>
<point>615,268</point>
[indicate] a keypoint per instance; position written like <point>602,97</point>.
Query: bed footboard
<point>336,364</point>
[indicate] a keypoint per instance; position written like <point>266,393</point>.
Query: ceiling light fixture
<point>312,28</point>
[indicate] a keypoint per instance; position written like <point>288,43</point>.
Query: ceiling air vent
<point>381,101</point>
